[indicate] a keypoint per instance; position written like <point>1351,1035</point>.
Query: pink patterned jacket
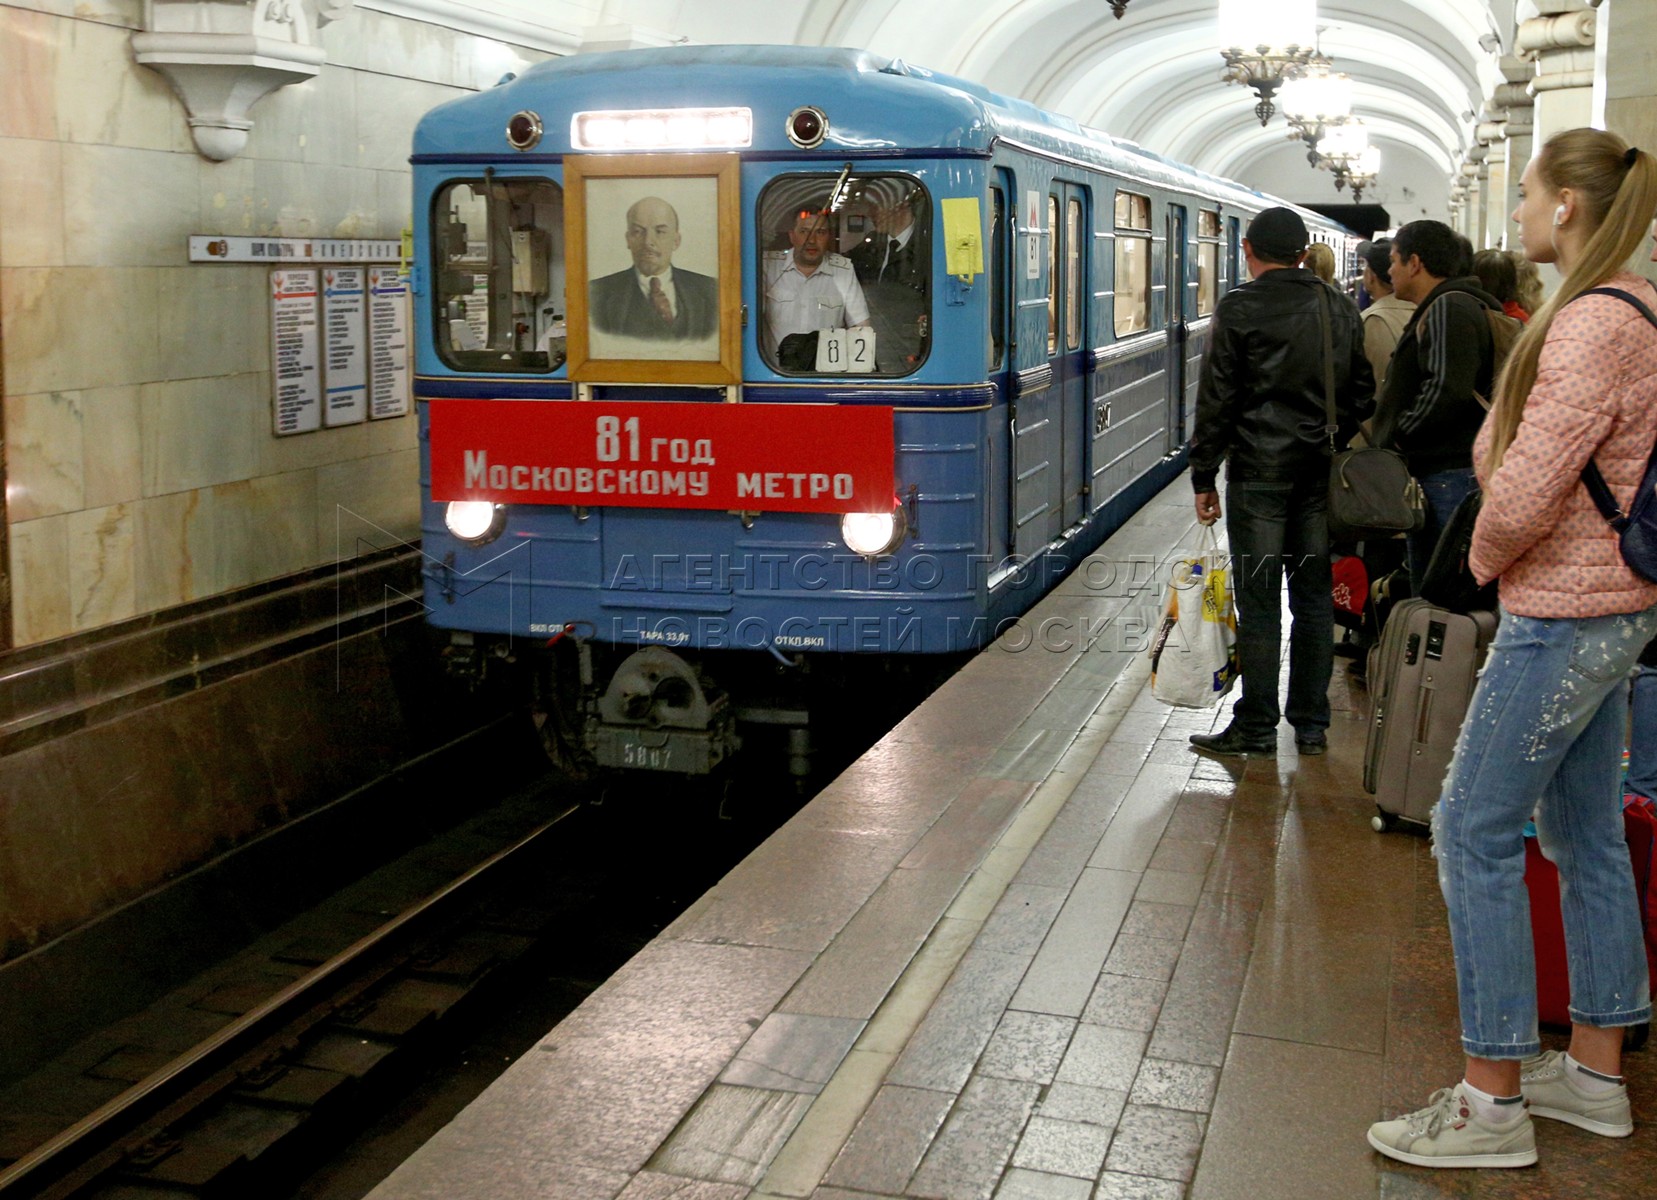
<point>1595,396</point>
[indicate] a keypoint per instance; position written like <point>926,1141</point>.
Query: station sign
<point>736,457</point>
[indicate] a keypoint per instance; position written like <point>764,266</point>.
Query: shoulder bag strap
<point>1328,365</point>
<point>1591,477</point>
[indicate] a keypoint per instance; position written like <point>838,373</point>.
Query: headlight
<point>873,534</point>
<point>475,521</point>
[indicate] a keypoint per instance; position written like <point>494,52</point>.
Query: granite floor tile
<point>895,786</point>
<point>1148,919</point>
<point>1079,1102</point>
<point>651,1185</point>
<point>852,977</point>
<point>1309,984</point>
<point>1062,975</point>
<point>968,828</point>
<point>834,1193</point>
<point>1102,1057</point>
<point>1275,1100</point>
<point>1177,854</point>
<point>731,1135</point>
<point>941,1052</point>
<point>792,1052</point>
<point>1164,1084</point>
<point>1022,917</point>
<point>1423,1019</point>
<point>1146,957</point>
<point>967,1158</point>
<point>890,1140</point>
<point>1169,887</point>
<point>1114,1186</point>
<point>1062,1147</point>
<point>1037,1185</point>
<point>1125,1002</point>
<point>1195,1022</point>
<point>476,1171</point>
<point>1199,817</point>
<point>1059,857</point>
<point>1138,825</point>
<point>1027,1046</point>
<point>1160,1142</point>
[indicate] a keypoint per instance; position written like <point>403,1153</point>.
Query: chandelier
<point>1265,42</point>
<point>1345,152</point>
<point>1361,174</point>
<point>1118,7</point>
<point>1315,102</point>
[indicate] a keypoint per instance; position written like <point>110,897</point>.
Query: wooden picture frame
<point>622,215</point>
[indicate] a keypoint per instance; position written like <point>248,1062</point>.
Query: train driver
<point>807,288</point>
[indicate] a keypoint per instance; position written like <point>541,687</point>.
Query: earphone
<point>1559,215</point>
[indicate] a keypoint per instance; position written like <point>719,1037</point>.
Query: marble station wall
<point>142,470</point>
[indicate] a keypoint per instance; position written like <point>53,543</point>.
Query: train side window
<point>1052,276</point>
<point>997,279</point>
<point>845,274</point>
<point>1073,246</point>
<point>499,266</point>
<point>1133,263</point>
<point>1208,261</point>
<point>1234,251</point>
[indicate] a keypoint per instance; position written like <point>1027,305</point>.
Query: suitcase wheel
<point>1383,821</point>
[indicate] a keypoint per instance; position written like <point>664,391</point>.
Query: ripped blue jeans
<point>1544,732</point>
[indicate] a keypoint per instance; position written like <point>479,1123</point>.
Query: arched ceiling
<point>1421,68</point>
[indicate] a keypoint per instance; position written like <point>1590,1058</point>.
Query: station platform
<point>1030,947</point>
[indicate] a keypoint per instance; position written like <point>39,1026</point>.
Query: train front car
<point>701,363</point>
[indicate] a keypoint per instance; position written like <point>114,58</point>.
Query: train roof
<point>877,107</point>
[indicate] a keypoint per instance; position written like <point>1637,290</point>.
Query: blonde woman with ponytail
<point>1544,730</point>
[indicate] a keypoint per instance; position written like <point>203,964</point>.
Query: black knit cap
<point>1277,233</point>
<point>1378,254</point>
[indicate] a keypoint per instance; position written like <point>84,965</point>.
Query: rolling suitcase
<point>1429,662</point>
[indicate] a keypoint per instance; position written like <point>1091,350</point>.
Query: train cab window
<point>500,274</point>
<point>1208,261</point>
<point>1133,263</point>
<point>845,274</point>
<point>997,279</point>
<point>1052,276</point>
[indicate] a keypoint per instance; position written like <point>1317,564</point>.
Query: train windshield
<point>846,274</point>
<point>499,272</point>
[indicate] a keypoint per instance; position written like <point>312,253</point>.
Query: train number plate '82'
<point>749,457</point>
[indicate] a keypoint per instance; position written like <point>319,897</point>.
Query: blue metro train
<point>738,355</point>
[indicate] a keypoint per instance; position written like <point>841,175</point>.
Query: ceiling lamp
<point>1361,174</point>
<point>1315,102</point>
<point>1265,42</point>
<point>1118,7</point>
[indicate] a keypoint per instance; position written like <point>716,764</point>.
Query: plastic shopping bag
<point>1194,655</point>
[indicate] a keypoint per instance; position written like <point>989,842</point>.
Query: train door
<point>1174,272</point>
<point>1068,348</point>
<point>1035,464</point>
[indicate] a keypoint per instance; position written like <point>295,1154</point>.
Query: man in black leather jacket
<point>1261,408</point>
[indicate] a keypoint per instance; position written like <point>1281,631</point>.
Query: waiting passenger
<point>1387,314</point>
<point>1494,269</point>
<point>1544,730</point>
<point>809,288</point>
<point>1261,409</point>
<point>1530,294</point>
<point>1320,261</point>
<point>894,265</point>
<point>1430,411</point>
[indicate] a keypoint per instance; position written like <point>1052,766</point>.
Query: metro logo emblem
<point>776,457</point>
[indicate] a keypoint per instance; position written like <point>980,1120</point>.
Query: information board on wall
<point>347,349</point>
<point>295,358</point>
<point>388,379</point>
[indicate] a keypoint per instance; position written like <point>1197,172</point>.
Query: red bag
<point>1547,926</point>
<point>1349,590</point>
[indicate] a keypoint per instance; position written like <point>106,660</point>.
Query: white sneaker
<point>1552,1093</point>
<point>1447,1133</point>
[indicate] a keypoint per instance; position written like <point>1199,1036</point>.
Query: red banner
<point>750,457</point>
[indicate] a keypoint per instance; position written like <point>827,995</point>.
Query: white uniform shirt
<point>829,298</point>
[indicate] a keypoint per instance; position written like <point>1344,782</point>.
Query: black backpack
<point>1637,528</point>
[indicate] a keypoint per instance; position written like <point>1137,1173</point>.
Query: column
<point>1560,41</point>
<point>1630,81</point>
<point>1517,141</point>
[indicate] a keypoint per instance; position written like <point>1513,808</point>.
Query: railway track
<point>212,1120</point>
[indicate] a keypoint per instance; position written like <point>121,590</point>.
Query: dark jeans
<point>1444,491</point>
<point>1278,530</point>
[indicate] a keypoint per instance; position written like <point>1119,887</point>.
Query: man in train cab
<point>1261,410</point>
<point>1431,408</point>
<point>653,298</point>
<point>809,288</point>
<point>894,265</point>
